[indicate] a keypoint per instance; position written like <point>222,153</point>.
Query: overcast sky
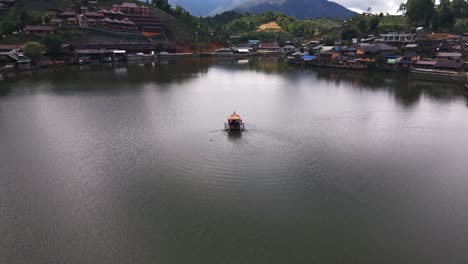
<point>384,6</point>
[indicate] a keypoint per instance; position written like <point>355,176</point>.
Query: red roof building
<point>131,8</point>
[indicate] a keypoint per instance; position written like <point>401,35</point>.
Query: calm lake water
<point>130,164</point>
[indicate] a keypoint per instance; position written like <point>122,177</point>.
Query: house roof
<point>68,13</point>
<point>19,57</point>
<point>378,47</point>
<point>309,57</point>
<point>411,46</point>
<point>298,53</point>
<point>39,28</point>
<point>273,45</point>
<point>351,49</point>
<point>88,51</point>
<point>449,54</point>
<point>326,48</point>
<point>132,5</point>
<point>10,47</point>
<point>427,63</point>
<point>390,34</point>
<point>91,14</point>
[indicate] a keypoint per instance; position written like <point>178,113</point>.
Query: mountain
<point>206,7</point>
<point>297,8</point>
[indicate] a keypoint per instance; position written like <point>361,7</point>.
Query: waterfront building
<point>368,53</point>
<point>408,59</point>
<point>254,43</point>
<point>327,54</point>
<point>15,59</point>
<point>84,56</point>
<point>289,48</point>
<point>269,47</point>
<point>448,56</point>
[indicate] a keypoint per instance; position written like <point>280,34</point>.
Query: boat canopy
<point>234,117</point>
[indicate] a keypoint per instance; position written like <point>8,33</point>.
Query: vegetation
<point>248,26</point>
<point>33,50</point>
<point>446,16</point>
<point>53,45</point>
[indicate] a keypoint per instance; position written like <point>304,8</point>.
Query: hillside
<point>297,8</point>
<point>267,26</point>
<point>177,29</point>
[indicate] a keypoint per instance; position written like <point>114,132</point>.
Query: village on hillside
<point>142,36</point>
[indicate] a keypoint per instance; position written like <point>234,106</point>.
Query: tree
<point>161,4</point>
<point>13,21</point>
<point>459,8</point>
<point>420,12</point>
<point>402,8</point>
<point>53,45</point>
<point>362,26</point>
<point>349,34</point>
<point>374,23</point>
<point>328,42</point>
<point>35,18</point>
<point>444,17</point>
<point>33,50</point>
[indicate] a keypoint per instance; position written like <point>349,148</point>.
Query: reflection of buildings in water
<point>406,88</point>
<point>120,71</point>
<point>268,65</point>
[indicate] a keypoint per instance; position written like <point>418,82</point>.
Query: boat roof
<point>234,117</point>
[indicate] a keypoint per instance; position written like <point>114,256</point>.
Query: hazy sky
<point>385,6</point>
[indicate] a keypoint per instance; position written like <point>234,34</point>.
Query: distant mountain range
<point>297,8</point>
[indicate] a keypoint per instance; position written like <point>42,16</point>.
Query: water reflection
<point>128,163</point>
<point>405,88</point>
<point>234,135</point>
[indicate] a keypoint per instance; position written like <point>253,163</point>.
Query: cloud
<point>384,6</point>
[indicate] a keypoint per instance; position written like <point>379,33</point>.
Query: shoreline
<point>5,75</point>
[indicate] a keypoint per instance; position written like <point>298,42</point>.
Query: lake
<point>130,164</point>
